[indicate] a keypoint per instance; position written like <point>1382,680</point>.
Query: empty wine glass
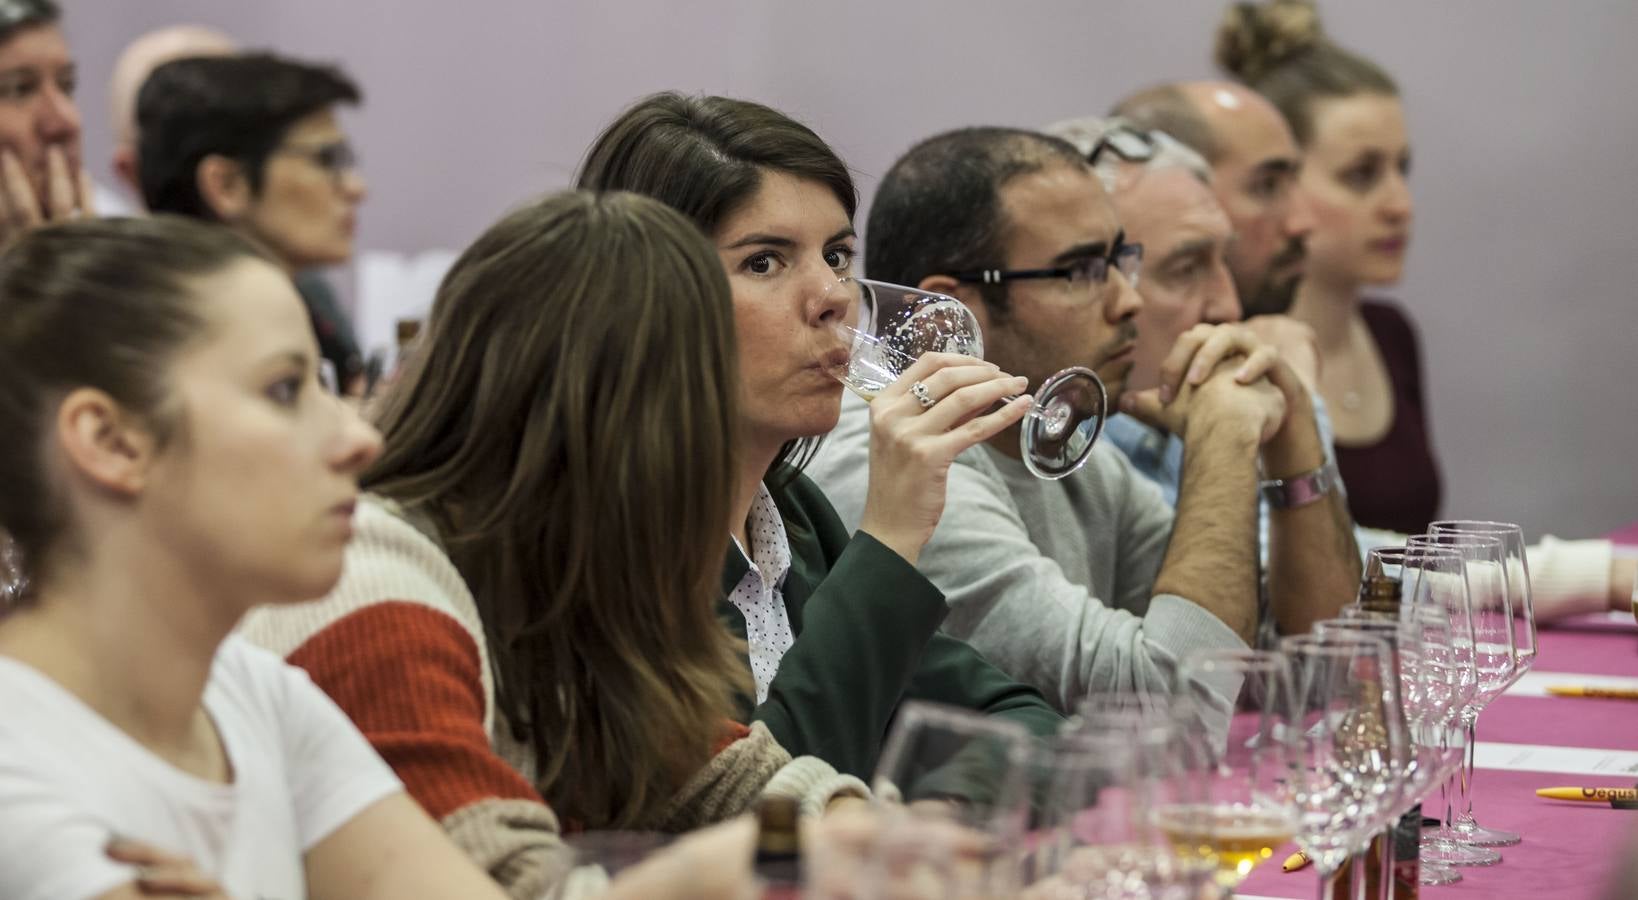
<point>891,326</point>
<point>1129,776</point>
<point>1404,641</point>
<point>11,573</point>
<point>1098,836</point>
<point>1516,568</point>
<point>1249,808</point>
<point>1350,744</point>
<point>955,767</point>
<point>1437,598</point>
<point>1495,655</point>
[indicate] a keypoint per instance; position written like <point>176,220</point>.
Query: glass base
<point>1477,835</point>
<point>1435,874</point>
<point>1440,850</point>
<point>1058,433</point>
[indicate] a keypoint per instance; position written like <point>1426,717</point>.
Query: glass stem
<point>1467,772</point>
<point>1384,882</point>
<point>1360,863</point>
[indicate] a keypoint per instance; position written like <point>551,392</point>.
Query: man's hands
<point>68,194</point>
<point>1217,376</point>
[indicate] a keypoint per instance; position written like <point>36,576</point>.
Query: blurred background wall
<point>1523,271</point>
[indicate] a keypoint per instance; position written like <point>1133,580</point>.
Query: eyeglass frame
<point>337,158</point>
<point>1119,129</point>
<point>1093,269</point>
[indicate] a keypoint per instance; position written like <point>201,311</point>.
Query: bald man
<point>139,59</point>
<point>1254,161</point>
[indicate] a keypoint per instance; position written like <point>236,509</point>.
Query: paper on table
<point>1565,760</point>
<point>1535,684</point>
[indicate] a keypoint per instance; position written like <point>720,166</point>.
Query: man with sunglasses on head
<point>252,141</point>
<point>1162,192</point>
<point>1091,582</point>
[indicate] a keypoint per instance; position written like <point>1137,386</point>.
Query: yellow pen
<point>1620,798</point>
<point>1295,861</point>
<point>1566,690</point>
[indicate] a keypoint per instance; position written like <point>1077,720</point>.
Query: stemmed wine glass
<point>1249,808</point>
<point>946,771</point>
<point>1405,642</point>
<point>1440,683</point>
<point>1516,570</point>
<point>1495,657</point>
<point>11,573</point>
<point>890,326</point>
<point>1098,837</point>
<point>1350,744</point>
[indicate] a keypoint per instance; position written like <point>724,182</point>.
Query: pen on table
<point>1570,690</point>
<point>1295,861</point>
<point>1617,798</point>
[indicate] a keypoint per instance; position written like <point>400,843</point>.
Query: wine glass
<point>1516,568</point>
<point>11,573</point>
<point>891,326</point>
<point>1350,744</point>
<point>1129,770</point>
<point>945,766</point>
<point>1495,655</point>
<point>1248,810</point>
<point>1439,600</point>
<point>1404,641</point>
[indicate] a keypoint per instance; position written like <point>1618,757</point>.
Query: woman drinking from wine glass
<point>169,462</point>
<point>842,628</point>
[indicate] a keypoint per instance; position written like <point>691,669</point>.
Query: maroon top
<point>1394,483</point>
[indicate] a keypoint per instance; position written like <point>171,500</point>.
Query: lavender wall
<point>1522,275</point>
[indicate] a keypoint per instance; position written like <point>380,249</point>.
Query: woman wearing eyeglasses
<point>252,141</point>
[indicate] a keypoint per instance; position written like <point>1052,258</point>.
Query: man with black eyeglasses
<point>1091,582</point>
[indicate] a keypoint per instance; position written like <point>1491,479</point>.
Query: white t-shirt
<point>69,780</point>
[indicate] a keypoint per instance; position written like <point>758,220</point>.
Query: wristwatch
<point>1301,490</point>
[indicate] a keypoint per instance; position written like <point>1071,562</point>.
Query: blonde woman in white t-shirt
<point>169,461</point>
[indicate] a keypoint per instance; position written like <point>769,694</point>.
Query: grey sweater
<point>1050,580</point>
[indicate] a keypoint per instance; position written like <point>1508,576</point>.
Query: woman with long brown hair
<point>527,626</point>
<point>842,627</point>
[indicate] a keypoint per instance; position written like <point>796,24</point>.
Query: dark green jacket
<point>866,625</point>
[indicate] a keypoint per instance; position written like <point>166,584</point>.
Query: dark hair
<point>1279,50</point>
<point>16,15</point>
<point>938,209</point>
<point>1166,108</point>
<point>239,107</point>
<point>704,156</point>
<point>567,424</point>
<point>99,303</point>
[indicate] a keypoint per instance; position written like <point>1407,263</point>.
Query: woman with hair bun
<point>1346,114</point>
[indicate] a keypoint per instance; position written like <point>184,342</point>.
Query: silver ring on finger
<point>922,395</point>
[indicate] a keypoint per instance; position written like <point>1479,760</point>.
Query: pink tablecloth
<point>1627,535</point>
<point>1569,849</point>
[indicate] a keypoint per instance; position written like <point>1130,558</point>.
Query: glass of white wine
<point>891,326</point>
<point>1248,810</point>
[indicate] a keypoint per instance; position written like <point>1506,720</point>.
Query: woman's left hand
<point>162,874</point>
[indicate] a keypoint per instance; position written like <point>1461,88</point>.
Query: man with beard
<point>1162,194</point>
<point>1091,582</point>
<point>1254,161</point>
